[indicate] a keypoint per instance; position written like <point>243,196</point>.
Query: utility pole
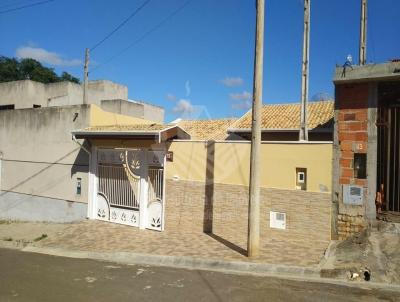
<point>85,77</point>
<point>303,135</point>
<point>253,237</point>
<point>363,32</point>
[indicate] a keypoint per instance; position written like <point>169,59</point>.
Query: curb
<point>307,274</point>
<point>180,262</point>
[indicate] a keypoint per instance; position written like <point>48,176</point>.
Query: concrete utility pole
<point>85,77</point>
<point>363,32</point>
<point>253,239</point>
<point>303,135</point>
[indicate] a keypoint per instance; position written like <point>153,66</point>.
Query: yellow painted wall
<point>99,117</point>
<point>230,163</point>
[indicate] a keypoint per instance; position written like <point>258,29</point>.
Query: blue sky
<point>183,64</point>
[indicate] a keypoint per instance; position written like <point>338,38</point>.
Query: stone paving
<point>100,236</point>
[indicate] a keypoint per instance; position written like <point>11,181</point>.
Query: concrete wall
<point>228,163</point>
<point>106,90</point>
<point>25,207</point>
<point>151,112</point>
<point>110,96</point>
<point>39,157</point>
<point>64,94</point>
<point>100,117</point>
<point>23,94</point>
<point>26,93</point>
<point>123,107</point>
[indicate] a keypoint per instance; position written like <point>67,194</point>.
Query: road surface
<point>36,277</point>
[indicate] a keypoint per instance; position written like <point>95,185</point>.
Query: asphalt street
<point>36,277</point>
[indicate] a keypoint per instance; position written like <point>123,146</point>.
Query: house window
<point>36,106</point>
<point>360,165</point>
<point>7,107</point>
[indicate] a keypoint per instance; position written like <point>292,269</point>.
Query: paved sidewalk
<point>97,236</point>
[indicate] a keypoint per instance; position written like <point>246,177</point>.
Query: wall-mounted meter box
<point>78,186</point>
<point>301,179</point>
<point>277,220</point>
<point>353,195</point>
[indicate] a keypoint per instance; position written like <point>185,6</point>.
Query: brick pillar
<point>352,105</point>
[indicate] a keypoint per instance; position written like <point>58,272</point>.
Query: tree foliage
<point>29,69</point>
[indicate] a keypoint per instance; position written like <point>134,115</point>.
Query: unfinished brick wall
<point>352,131</point>
<point>191,206</point>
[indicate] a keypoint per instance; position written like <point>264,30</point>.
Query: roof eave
<point>247,130</point>
<point>114,134</point>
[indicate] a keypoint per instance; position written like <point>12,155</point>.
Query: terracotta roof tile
<point>207,129</point>
<point>287,116</point>
<point>127,128</point>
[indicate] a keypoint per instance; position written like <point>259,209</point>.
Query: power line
<point>121,24</point>
<point>14,4</point>
<point>25,6</point>
<point>157,26</point>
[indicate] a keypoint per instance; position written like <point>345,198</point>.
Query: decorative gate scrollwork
<point>122,177</point>
<point>155,203</point>
<point>119,185</point>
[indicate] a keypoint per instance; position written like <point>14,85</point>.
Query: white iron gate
<point>155,198</point>
<point>129,190</point>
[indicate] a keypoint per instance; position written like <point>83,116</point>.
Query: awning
<point>155,132</point>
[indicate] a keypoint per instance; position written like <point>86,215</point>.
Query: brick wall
<point>352,135</point>
<point>192,205</point>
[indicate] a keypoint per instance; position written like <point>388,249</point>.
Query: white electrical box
<point>277,220</point>
<point>353,195</point>
<point>301,179</point>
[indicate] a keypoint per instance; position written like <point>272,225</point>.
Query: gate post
<point>144,188</point>
<point>92,194</point>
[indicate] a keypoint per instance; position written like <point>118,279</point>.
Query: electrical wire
<point>150,31</point>
<point>14,4</point>
<point>134,13</point>
<point>25,6</point>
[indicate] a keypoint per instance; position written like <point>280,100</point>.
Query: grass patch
<point>40,238</point>
<point>2,221</point>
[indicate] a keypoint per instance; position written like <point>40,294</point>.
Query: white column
<point>92,194</point>
<point>163,192</point>
<point>144,189</point>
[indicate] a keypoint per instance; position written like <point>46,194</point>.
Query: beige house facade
<point>66,163</point>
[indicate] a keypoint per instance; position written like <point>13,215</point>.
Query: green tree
<point>9,69</point>
<point>31,69</point>
<point>65,76</point>
<point>12,70</point>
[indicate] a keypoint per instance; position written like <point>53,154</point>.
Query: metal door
<point>388,167</point>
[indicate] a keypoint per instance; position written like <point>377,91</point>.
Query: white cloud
<point>242,105</point>
<point>241,101</point>
<point>171,97</point>
<point>188,89</point>
<point>183,107</point>
<point>244,96</point>
<point>44,56</point>
<point>232,81</point>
